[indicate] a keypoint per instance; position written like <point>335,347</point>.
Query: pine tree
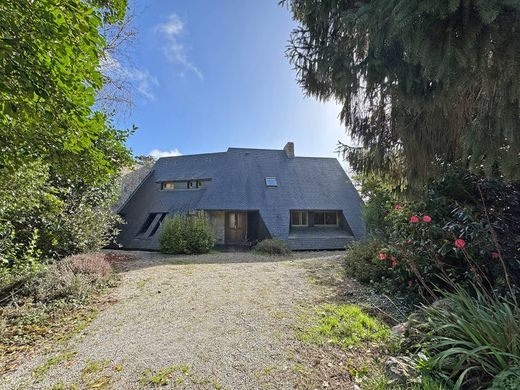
<point>423,83</point>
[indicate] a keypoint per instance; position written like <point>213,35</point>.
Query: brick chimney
<point>289,149</point>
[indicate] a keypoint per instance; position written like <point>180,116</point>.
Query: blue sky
<point>213,74</point>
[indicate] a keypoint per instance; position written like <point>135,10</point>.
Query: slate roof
<point>238,183</point>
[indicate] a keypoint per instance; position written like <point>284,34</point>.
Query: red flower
<point>414,219</point>
<point>383,256</point>
<point>394,261</point>
<point>397,207</point>
<point>494,255</point>
<point>460,243</point>
<point>427,218</point>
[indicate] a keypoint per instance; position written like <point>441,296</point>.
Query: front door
<point>236,228</point>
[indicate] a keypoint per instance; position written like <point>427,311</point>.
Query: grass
<point>94,366</point>
<point>42,369</point>
<point>177,375</point>
<point>343,326</point>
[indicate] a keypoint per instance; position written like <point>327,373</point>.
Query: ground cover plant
<point>273,246</point>
<point>51,304</point>
<point>473,339</point>
<point>344,326</point>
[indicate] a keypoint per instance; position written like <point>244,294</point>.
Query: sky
<point>213,74</point>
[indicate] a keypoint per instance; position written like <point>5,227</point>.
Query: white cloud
<point>144,81</point>
<point>156,153</point>
<point>141,79</point>
<point>172,30</point>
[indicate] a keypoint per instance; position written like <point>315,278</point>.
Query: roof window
<point>271,181</point>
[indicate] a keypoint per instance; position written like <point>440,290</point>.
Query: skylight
<point>271,182</point>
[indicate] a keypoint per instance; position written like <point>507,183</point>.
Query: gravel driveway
<point>216,321</point>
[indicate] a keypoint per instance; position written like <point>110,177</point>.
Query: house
<point>248,195</point>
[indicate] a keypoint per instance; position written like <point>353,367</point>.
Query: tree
<point>59,155</point>
<point>423,84</point>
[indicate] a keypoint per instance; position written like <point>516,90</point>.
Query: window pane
<point>296,218</point>
<point>168,185</point>
<point>304,218</point>
<point>331,218</point>
<point>271,182</point>
<point>319,218</point>
<point>232,220</point>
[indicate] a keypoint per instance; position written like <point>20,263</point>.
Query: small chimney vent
<point>289,149</point>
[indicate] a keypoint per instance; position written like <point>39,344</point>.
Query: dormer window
<point>194,184</point>
<point>271,181</point>
<point>167,185</point>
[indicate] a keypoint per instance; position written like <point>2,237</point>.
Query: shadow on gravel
<point>146,259</point>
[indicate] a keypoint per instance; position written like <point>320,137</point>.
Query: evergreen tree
<point>423,83</point>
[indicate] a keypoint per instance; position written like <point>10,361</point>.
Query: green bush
<point>362,263</point>
<point>273,246</point>
<point>184,234</point>
<point>474,339</point>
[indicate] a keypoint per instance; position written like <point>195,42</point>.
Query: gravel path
<point>216,321</point>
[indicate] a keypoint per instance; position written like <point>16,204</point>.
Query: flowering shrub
<point>454,236</point>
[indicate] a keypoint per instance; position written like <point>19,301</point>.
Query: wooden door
<point>236,228</point>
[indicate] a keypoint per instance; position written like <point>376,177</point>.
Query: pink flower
<point>410,284</point>
<point>414,219</point>
<point>494,255</point>
<point>409,242</point>
<point>397,207</point>
<point>427,218</point>
<point>460,243</point>
<point>394,261</point>
<point>383,256</point>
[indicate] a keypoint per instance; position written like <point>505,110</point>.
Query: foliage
<point>273,246</point>
<point>71,279</point>
<point>362,263</point>
<point>186,234</point>
<point>378,194</point>
<point>474,339</point>
<point>418,244</point>
<point>49,80</point>
<point>344,326</point>
<point>59,156</point>
<point>50,304</point>
<point>420,82</point>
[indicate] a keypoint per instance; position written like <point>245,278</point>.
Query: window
<point>326,218</point>
<point>157,225</point>
<point>194,184</point>
<point>147,223</point>
<point>298,218</point>
<point>167,185</point>
<point>271,182</point>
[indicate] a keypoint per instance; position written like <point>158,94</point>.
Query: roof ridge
<point>192,155</point>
